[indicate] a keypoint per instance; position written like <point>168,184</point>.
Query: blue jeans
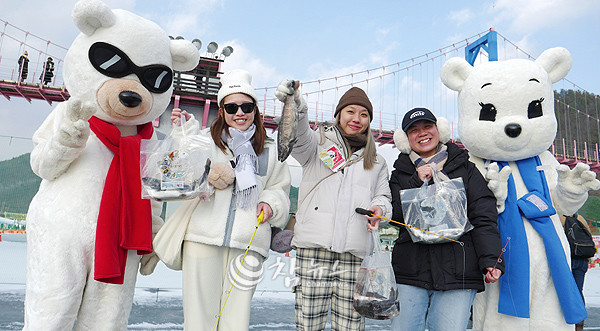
<point>579,267</point>
<point>441,310</point>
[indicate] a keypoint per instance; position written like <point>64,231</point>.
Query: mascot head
<point>506,108</point>
<point>124,63</point>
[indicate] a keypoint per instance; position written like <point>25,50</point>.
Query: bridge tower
<point>489,43</point>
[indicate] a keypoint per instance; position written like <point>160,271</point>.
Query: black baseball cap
<point>417,114</point>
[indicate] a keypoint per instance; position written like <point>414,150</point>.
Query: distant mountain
<point>18,184</point>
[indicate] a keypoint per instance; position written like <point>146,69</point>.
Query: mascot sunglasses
<point>113,62</point>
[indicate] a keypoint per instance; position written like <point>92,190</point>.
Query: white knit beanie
<point>236,81</point>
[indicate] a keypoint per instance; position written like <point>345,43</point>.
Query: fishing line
<point>500,256</point>
<point>260,219</point>
<point>507,274</point>
<point>367,212</point>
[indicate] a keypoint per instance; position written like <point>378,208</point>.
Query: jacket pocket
<point>404,259</point>
<point>465,261</point>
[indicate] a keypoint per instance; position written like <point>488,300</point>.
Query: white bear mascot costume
<point>507,122</point>
<point>87,223</point>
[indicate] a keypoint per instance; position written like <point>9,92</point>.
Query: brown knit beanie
<point>355,96</point>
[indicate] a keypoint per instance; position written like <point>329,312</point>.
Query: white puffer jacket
<point>326,216</point>
<point>214,223</point>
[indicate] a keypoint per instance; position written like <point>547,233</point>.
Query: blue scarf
<point>536,206</point>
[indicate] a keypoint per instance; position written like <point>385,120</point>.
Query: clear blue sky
<point>309,40</point>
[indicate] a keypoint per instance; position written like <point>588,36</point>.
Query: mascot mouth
<point>124,98</point>
<point>508,143</point>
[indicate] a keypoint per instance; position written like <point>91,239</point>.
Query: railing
<point>573,150</point>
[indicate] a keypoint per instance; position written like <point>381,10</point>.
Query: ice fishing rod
<point>367,212</point>
<point>260,218</point>
<point>499,257</point>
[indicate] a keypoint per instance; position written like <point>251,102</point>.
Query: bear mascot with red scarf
<point>88,230</point>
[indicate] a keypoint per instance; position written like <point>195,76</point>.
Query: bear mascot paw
<point>506,120</point>
<point>87,226</point>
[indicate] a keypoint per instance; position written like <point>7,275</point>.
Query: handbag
<point>580,239</point>
<point>168,242</point>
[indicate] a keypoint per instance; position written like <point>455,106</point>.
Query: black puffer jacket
<point>440,266</point>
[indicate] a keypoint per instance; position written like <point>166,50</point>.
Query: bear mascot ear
<point>557,62</point>
<point>454,73</point>
<point>89,15</point>
<point>401,139</point>
<point>185,55</point>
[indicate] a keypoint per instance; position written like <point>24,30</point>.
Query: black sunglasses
<point>112,62</point>
<point>231,108</point>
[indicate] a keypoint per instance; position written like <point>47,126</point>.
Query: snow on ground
<point>278,275</point>
<point>157,301</point>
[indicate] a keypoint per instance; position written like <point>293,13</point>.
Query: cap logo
<point>232,86</point>
<point>417,113</point>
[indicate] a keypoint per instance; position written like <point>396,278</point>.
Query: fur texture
<point>221,175</point>
<point>506,113</point>
<point>73,163</point>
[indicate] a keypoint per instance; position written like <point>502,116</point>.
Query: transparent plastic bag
<point>440,208</point>
<point>375,293</point>
<point>175,168</point>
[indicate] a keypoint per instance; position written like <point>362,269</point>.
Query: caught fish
<point>288,123</point>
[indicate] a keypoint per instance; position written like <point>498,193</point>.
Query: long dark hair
<point>219,124</point>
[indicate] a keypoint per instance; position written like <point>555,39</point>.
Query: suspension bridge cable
<point>16,27</point>
<point>440,50</point>
<point>30,46</point>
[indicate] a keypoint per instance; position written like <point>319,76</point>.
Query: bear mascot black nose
<point>130,99</point>
<point>512,130</point>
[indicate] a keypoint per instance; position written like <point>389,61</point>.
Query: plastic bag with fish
<point>440,208</point>
<point>175,168</point>
<point>375,293</point>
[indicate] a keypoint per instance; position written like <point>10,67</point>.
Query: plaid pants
<point>326,279</point>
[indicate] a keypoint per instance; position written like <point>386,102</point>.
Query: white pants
<point>207,279</point>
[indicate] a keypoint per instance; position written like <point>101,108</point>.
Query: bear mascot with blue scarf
<point>507,122</point>
<point>88,229</point>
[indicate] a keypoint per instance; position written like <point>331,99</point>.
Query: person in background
<point>438,282</point>
<point>579,264</point>
<point>23,65</point>
<point>221,228</point>
<point>46,77</point>
<point>330,238</point>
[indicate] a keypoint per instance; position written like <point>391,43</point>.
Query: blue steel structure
<point>489,43</point>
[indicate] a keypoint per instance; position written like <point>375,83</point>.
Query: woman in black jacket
<point>438,282</point>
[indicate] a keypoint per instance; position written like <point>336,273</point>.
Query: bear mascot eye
<point>488,112</point>
<point>535,108</point>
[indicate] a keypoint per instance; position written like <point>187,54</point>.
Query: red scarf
<point>125,219</point>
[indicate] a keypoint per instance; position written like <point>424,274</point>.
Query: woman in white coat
<point>221,228</point>
<point>330,238</point>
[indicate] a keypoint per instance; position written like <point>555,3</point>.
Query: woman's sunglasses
<point>232,108</point>
<point>112,62</point>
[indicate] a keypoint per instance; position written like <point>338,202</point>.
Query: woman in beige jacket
<point>330,238</point>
